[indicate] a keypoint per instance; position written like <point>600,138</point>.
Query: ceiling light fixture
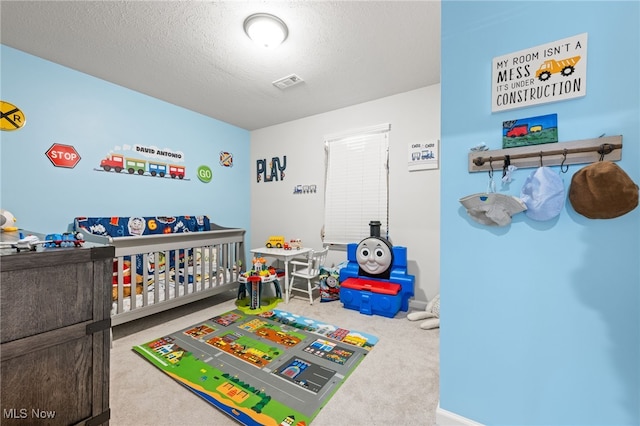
<point>265,29</point>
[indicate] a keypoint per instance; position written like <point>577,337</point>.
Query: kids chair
<point>308,270</point>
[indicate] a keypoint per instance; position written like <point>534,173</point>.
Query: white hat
<point>543,193</point>
<point>492,209</point>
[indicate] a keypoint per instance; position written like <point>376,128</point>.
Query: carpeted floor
<point>397,383</point>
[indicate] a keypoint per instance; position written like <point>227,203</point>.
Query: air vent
<point>287,81</point>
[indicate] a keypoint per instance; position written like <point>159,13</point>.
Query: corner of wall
<point>447,418</point>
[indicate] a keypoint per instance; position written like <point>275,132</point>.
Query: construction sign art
<point>547,73</point>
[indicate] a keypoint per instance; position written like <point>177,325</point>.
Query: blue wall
<point>71,108</point>
<point>540,320</point>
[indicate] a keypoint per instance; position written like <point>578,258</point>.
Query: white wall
<point>414,197</point>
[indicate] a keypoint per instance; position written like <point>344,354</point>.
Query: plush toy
<point>7,221</point>
<point>126,280</point>
<point>431,314</point>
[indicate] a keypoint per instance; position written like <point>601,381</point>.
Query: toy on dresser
<point>375,280</point>
<point>30,242</point>
<point>7,221</point>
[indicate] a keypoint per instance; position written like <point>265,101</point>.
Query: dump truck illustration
<point>564,66</point>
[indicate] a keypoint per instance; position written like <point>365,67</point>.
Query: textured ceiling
<point>195,54</point>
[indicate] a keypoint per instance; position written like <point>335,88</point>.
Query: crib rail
<point>153,273</point>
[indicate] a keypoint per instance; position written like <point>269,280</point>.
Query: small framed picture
<point>530,131</point>
<point>424,155</point>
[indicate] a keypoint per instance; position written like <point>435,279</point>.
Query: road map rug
<point>275,368</point>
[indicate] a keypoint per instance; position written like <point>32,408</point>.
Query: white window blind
<point>356,188</point>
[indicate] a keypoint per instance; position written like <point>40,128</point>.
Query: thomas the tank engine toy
<point>375,280</point>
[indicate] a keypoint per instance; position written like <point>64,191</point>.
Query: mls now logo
<point>23,413</point>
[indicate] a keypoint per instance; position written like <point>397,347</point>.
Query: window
<point>357,181</point>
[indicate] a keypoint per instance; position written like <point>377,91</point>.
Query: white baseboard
<point>447,418</point>
<point>417,305</point>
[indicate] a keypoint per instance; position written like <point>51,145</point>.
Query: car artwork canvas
<point>530,131</point>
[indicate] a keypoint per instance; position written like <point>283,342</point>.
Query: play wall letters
<point>274,170</point>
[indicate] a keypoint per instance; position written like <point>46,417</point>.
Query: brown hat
<point>602,190</point>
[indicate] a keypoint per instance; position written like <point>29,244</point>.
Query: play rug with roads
<point>275,368</point>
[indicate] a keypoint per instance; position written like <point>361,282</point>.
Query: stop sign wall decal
<point>63,155</point>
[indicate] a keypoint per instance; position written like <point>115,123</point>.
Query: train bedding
<point>163,262</point>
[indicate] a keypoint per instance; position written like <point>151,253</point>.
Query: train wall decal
<point>119,163</point>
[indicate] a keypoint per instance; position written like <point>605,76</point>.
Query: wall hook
<point>605,149</point>
<point>492,184</point>
<point>563,168</point>
<point>505,166</point>
<point>577,152</point>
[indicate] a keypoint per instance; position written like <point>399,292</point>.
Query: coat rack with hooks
<point>553,154</point>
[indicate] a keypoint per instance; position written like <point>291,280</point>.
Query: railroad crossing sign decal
<point>11,118</point>
<point>226,159</point>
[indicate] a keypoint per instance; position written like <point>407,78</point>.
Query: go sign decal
<point>205,174</point>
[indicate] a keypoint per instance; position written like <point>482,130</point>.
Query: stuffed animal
<point>7,221</point>
<point>126,279</point>
<point>431,314</point>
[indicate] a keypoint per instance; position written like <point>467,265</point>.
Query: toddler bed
<point>163,262</point>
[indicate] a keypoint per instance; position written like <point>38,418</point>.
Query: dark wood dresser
<point>55,335</point>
